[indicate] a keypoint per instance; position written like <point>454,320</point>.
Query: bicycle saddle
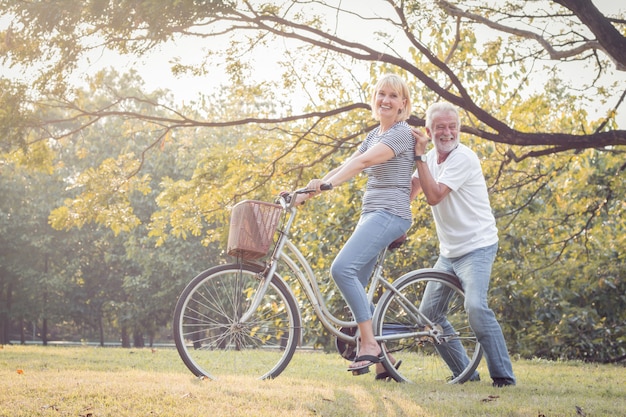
<point>397,243</point>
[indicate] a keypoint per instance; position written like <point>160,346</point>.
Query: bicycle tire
<point>214,344</point>
<point>421,357</point>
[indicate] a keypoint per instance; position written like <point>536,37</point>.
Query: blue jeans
<point>474,272</point>
<point>353,266</point>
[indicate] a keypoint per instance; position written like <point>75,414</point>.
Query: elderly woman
<point>386,156</point>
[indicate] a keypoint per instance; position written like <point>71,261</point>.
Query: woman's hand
<point>421,140</point>
<point>301,198</point>
<point>314,184</point>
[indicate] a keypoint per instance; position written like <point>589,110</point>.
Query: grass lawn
<point>98,382</point>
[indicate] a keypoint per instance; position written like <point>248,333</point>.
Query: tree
<point>487,60</point>
<point>91,281</point>
<point>506,66</point>
<point>31,258</point>
<point>439,50</point>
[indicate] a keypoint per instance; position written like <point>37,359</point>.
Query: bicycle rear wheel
<point>455,356</point>
<point>210,337</point>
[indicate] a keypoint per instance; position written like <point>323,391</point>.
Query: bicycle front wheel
<point>423,323</point>
<point>210,336</point>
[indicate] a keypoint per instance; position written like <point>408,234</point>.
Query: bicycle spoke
<point>212,339</point>
<point>436,344</point>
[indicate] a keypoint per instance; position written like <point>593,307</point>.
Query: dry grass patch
<point>97,382</point>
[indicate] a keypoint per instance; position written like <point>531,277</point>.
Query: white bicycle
<point>244,319</point>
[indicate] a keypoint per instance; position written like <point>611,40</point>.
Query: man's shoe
<point>475,377</point>
<point>502,382</point>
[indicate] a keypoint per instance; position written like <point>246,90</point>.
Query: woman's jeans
<point>474,271</point>
<point>353,266</point>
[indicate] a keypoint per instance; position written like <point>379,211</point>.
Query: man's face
<point>445,132</point>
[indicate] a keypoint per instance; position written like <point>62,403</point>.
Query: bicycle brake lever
<point>284,198</point>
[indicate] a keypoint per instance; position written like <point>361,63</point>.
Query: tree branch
<point>557,142</point>
<point>611,40</point>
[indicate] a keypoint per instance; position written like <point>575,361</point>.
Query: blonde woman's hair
<point>398,85</point>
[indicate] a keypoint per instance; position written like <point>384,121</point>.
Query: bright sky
<point>158,75</point>
<point>155,68</point>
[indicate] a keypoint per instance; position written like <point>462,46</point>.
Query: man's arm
<point>415,187</point>
<point>434,191</point>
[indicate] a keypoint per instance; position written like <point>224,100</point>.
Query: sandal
<point>385,376</point>
<point>363,369</point>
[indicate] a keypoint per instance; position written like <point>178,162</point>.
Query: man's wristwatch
<point>420,158</point>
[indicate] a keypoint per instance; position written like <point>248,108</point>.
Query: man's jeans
<point>474,271</point>
<point>353,266</point>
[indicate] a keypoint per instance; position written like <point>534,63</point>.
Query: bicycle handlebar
<point>323,187</point>
<point>287,197</point>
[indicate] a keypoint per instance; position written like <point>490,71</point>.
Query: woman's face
<point>389,103</point>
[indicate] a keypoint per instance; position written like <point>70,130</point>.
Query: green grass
<point>98,382</point>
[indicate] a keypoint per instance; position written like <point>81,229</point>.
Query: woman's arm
<point>358,162</point>
<point>350,168</point>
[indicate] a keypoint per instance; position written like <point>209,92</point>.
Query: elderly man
<point>451,178</point>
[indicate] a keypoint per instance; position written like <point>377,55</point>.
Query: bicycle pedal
<point>361,371</point>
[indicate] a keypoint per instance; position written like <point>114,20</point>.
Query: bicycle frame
<point>245,318</point>
<point>287,253</point>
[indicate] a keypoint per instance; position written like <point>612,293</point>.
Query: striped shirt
<point>389,184</point>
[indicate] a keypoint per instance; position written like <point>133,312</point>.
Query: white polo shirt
<point>464,219</point>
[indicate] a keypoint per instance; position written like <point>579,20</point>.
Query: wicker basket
<point>252,227</point>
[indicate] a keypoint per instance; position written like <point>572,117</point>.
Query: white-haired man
<point>451,178</point>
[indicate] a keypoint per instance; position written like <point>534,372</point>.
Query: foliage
<point>137,185</point>
<point>563,284</point>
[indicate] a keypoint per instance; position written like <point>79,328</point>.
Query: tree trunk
<point>125,338</point>
<point>101,330</point>
<point>4,339</point>
<point>22,331</point>
<point>5,316</point>
<point>138,340</point>
<point>44,332</point>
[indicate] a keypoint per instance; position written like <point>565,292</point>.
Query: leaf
<point>490,398</point>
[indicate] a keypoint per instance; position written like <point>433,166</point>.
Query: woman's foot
<point>361,364</point>
<point>367,356</point>
<point>384,375</point>
<point>380,368</point>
